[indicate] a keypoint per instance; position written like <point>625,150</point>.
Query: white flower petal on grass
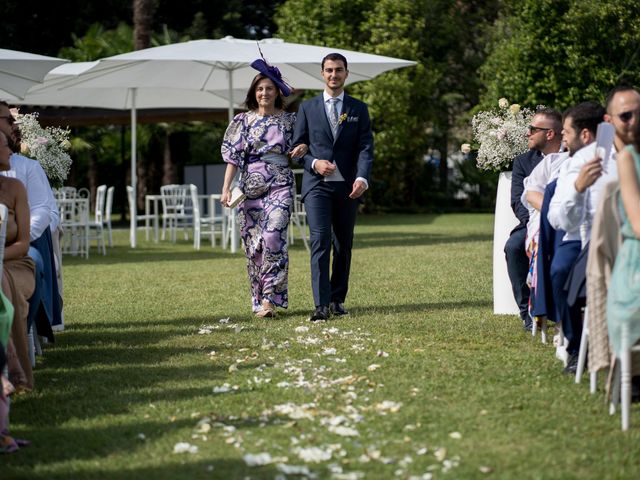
<point>314,454</point>
<point>294,470</point>
<point>224,388</point>
<point>381,353</point>
<point>373,367</point>
<point>348,476</point>
<point>301,329</point>
<point>344,431</point>
<point>422,451</point>
<point>440,454</point>
<point>283,384</point>
<point>485,469</point>
<point>224,320</point>
<point>455,435</point>
<point>387,406</point>
<point>184,447</point>
<point>141,436</point>
<point>258,459</point>
<point>328,351</point>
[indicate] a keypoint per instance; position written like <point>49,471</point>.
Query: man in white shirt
<point>44,305</point>
<point>580,187</point>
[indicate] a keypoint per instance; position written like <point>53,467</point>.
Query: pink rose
<point>42,140</point>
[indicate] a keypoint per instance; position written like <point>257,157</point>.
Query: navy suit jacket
<point>352,149</point>
<point>523,165</point>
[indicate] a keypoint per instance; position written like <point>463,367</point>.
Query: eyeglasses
<point>9,118</point>
<point>626,117</point>
<point>531,129</point>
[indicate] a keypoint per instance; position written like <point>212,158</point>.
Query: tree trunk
<point>142,19</point>
<point>168,168</point>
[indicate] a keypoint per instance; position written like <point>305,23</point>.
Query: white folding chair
<point>74,222</point>
<point>177,210</point>
<point>108,207</point>
<point>299,220</point>
<point>98,221</point>
<point>209,225</point>
<point>146,217</point>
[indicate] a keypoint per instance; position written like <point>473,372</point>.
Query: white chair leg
<point>36,344</point>
<point>593,382</point>
<point>625,379</point>
<point>534,327</point>
<point>31,347</point>
<point>615,388</point>
<point>582,354</point>
<point>543,329</point>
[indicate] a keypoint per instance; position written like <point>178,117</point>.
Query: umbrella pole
<point>134,179</point>
<point>234,230</point>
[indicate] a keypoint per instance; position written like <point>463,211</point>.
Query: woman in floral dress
<point>258,143</point>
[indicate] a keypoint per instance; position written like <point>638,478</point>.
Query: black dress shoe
<point>572,365</point>
<point>338,309</point>
<point>321,313</point>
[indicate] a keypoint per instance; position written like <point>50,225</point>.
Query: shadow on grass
<point>409,239</point>
<point>53,449</point>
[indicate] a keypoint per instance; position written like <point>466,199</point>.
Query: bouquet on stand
<point>48,146</point>
<point>501,135</point>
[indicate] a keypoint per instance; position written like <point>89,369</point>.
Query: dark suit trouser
<point>518,268</point>
<point>561,265</point>
<point>331,215</point>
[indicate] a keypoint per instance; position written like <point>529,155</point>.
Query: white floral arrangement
<point>501,134</point>
<point>48,146</point>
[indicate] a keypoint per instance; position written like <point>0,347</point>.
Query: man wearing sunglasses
<point>579,190</point>
<point>543,137</point>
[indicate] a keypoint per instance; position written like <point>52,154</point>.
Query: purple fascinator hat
<point>272,73</point>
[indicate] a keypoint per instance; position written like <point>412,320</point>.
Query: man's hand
<point>324,167</point>
<point>358,189</point>
<point>589,173</point>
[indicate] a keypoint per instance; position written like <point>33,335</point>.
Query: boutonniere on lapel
<point>342,118</point>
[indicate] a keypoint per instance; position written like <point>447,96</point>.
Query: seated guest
<point>44,305</point>
<point>578,194</point>
<point>623,301</point>
<point>18,275</point>
<point>543,137</point>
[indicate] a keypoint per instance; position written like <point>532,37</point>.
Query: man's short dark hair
<point>552,115</point>
<point>619,89</point>
<point>585,115</point>
<point>4,104</point>
<point>335,57</point>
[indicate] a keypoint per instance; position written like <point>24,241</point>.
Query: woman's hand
<point>299,151</point>
<point>225,197</point>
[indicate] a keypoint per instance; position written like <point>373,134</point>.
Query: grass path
<point>421,381</point>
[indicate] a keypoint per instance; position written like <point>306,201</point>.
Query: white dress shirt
<point>336,176</point>
<point>545,172</point>
<point>572,211</point>
<point>42,204</point>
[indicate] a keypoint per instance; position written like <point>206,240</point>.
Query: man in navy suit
<point>337,129</point>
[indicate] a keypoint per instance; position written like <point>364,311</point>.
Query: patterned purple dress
<point>264,215</point>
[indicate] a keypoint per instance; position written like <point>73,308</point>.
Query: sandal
<point>268,310</point>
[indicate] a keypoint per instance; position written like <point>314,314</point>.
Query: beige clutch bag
<point>237,196</point>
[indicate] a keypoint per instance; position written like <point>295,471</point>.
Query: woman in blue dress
<point>258,143</point>
<point>623,301</point>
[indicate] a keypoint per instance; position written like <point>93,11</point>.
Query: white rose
<point>515,108</point>
<point>465,148</point>
<point>503,103</point>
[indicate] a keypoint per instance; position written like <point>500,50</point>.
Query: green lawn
<point>422,379</point>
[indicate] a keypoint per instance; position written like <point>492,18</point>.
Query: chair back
<point>176,200</point>
<point>83,193</point>
<point>66,192</point>
<point>101,196</point>
<point>109,204</point>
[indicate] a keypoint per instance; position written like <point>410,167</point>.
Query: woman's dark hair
<point>251,103</point>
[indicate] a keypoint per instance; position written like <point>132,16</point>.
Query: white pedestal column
<point>505,221</point>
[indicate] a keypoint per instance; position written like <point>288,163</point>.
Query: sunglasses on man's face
<point>532,129</point>
<point>626,117</point>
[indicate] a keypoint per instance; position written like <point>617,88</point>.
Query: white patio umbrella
<point>219,66</point>
<point>55,91</point>
<point>20,70</point>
